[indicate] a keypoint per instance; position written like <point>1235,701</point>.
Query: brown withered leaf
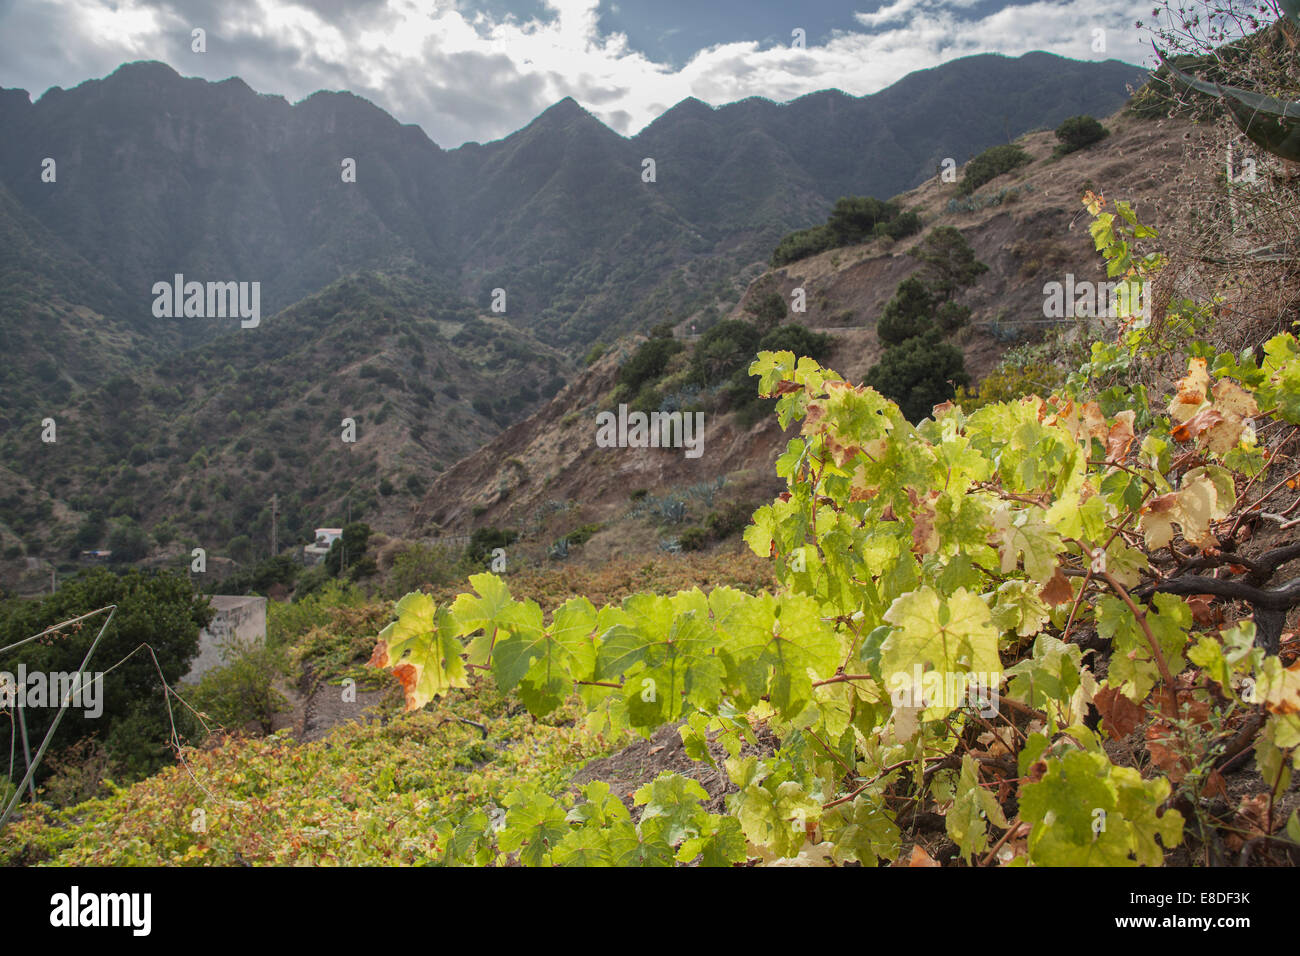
<point>1215,785</point>
<point>925,540</point>
<point>1120,436</point>
<point>1057,590</point>
<point>920,858</point>
<point>1120,716</point>
<point>1162,738</point>
<point>1202,421</point>
<point>1204,612</point>
<point>1191,391</point>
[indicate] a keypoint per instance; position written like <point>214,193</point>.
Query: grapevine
<point>1045,551</point>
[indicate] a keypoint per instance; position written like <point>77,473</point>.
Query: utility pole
<point>275,507</point>
<point>343,547</point>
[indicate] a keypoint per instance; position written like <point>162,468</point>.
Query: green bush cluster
<point>990,164</point>
<point>853,219</point>
<point>483,541</point>
<point>1009,381</point>
<point>742,398</point>
<point>1077,132</point>
<point>918,369</point>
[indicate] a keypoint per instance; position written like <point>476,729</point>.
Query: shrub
<point>240,548</point>
<point>907,224</point>
<point>854,218</point>
<point>483,541</point>
<point>160,609</point>
<point>694,539</point>
<point>797,339</point>
<point>580,536</point>
<point>768,310</point>
<point>723,349</point>
<point>948,262</point>
<point>647,364</point>
<point>1078,132</point>
<point>282,569</point>
<point>1010,381</point>
<point>127,540</point>
<point>351,545</point>
<point>731,518</point>
<point>950,317</point>
<point>800,245</point>
<point>990,164</point>
<point>918,374</point>
<point>243,690</point>
<point>907,314</point>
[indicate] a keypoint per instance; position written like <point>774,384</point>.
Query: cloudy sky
<point>479,69</point>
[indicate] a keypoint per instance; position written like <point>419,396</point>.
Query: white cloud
<point>463,76</point>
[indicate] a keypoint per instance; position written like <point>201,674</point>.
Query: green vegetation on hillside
<point>1077,132</point>
<point>133,730</point>
<point>988,165</point>
<point>918,369</point>
<point>854,219</point>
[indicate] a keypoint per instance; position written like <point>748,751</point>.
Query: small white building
<point>240,621</point>
<point>315,552</point>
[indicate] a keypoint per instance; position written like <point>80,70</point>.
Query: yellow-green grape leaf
<point>776,820</point>
<point>863,830</point>
<point>1085,811</point>
<point>1024,534</point>
<point>678,800</point>
<point>1049,679</point>
<point>974,808</point>
<point>535,825</point>
<point>1017,607</point>
<point>422,650</point>
<point>1278,687</point>
<point>485,611</point>
<point>951,636</point>
<point>772,645</point>
<point>1133,669</point>
<point>721,843</point>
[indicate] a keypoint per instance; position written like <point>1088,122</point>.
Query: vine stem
<point>1146,628</point>
<point>1263,498</point>
<point>838,759</point>
<point>988,857</point>
<point>890,769</point>
<point>1074,608</point>
<point>841,678</point>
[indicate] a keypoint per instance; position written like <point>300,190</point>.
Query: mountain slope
<point>159,174</point>
<point>1034,235</point>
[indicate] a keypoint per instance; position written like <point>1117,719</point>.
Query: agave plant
<point>1270,123</point>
